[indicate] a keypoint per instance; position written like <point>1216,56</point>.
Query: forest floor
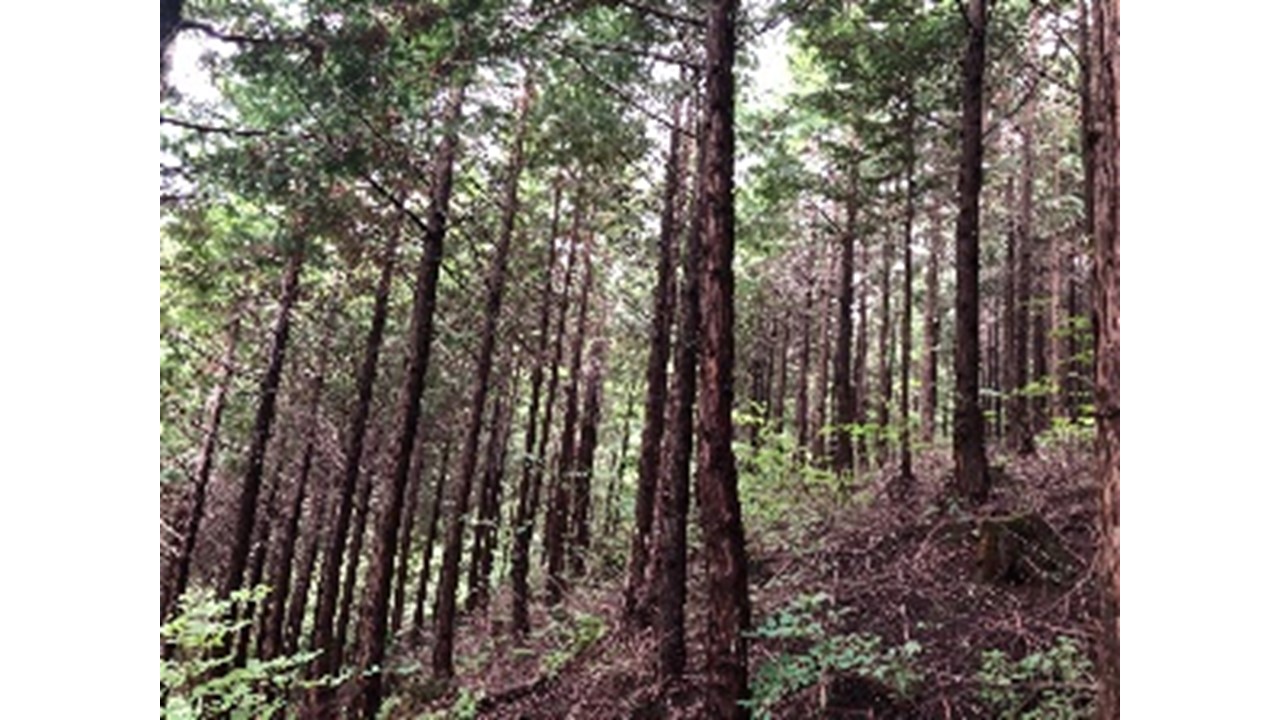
<point>865,606</point>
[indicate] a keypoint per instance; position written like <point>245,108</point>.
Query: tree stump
<point>1020,549</point>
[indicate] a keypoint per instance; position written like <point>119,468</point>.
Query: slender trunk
<point>802,382</point>
<point>860,350</point>
<point>904,448</point>
<point>1032,280</point>
<point>932,331</point>
<point>447,593</point>
<point>656,379</point>
<point>428,545</point>
<point>669,571</point>
<point>272,641</point>
<point>779,403</point>
<point>262,531</point>
<point>360,523</point>
<point>302,587</point>
<point>588,440</point>
<point>268,390</point>
<point>486,526</point>
<point>818,440</point>
<point>1104,148</point>
<point>558,512</point>
<point>729,615</point>
<point>328,641</point>
<point>1017,310</point>
<point>969,447</point>
<point>416,481</point>
<point>619,466</point>
<point>885,354</point>
<point>846,410</point>
<point>204,468</point>
<point>532,468</point>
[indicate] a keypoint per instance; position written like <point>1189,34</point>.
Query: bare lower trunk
<point>729,615</point>
<point>969,447</point>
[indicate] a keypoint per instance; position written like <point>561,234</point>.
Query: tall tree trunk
<point>904,449</point>
<point>655,378</point>
<point>447,592</point>
<point>417,470</point>
<point>533,466</point>
<point>1104,148</point>
<point>729,614</point>
<point>485,533</point>
<point>802,382</point>
<point>861,345</point>
<point>818,438</point>
<point>885,352</point>
<point>204,468</point>
<point>264,526</point>
<point>326,640</point>
<point>779,403</point>
<point>932,330</point>
<point>844,393</point>
<point>969,447</point>
<point>268,390</point>
<point>429,544</point>
<point>355,552</point>
<point>558,511</point>
<point>301,592</point>
<point>669,571</point>
<point>588,440</point>
<point>1032,279</point>
<point>1017,310</point>
<point>272,641</point>
<point>611,514</point>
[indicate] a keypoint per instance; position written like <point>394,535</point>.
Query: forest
<point>639,359</point>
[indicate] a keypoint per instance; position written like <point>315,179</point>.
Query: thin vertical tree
<point>969,446</point>
<point>725,555</point>
<point>1104,148</point>
<point>656,379</point>
<point>843,391</point>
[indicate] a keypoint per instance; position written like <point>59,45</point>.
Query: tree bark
<point>428,545</point>
<point>844,393</point>
<point>969,448</point>
<point>416,481</point>
<point>729,615</point>
<point>885,352</point>
<point>588,440</point>
<point>1104,148</point>
<point>932,330</point>
<point>485,534</point>
<point>818,438</point>
<point>669,571</point>
<point>861,346</point>
<point>802,381</point>
<point>906,476</point>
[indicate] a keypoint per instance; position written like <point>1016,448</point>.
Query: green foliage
<point>465,707</point>
<point>774,472</point>
<point>580,635</point>
<point>808,619</point>
<point>193,683</point>
<point>1053,684</point>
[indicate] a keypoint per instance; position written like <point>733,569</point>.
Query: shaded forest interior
<point>639,359</point>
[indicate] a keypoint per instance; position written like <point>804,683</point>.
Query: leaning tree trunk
<point>969,448</point>
<point>429,544</point>
<point>204,468</point>
<point>268,389</point>
<point>1104,148</point>
<point>302,587</point>
<point>656,379</point>
<point>272,641</point>
<point>447,592</point>
<point>729,614</point>
<point>328,642</point>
